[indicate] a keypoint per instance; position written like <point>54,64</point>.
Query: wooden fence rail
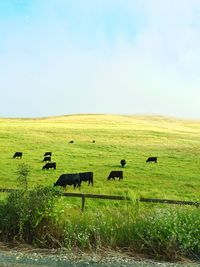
<point>7,190</point>
<point>147,200</point>
<point>84,196</point>
<point>169,201</point>
<point>110,197</point>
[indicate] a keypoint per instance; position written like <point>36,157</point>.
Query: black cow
<point>71,142</point>
<point>47,159</point>
<point>49,165</point>
<point>93,141</point>
<point>113,174</point>
<point>47,154</point>
<point>86,176</point>
<point>123,162</point>
<point>152,159</point>
<point>69,179</point>
<point>17,155</point>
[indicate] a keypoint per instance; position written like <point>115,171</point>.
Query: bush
<point>25,212</point>
<point>23,172</point>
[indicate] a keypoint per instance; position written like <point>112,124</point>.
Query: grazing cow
<point>71,142</point>
<point>47,159</point>
<point>93,141</point>
<point>152,159</point>
<point>49,165</point>
<point>69,179</point>
<point>86,176</point>
<point>123,162</point>
<point>113,174</point>
<point>17,155</point>
<point>47,154</point>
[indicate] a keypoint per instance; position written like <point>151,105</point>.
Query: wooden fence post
<point>83,202</point>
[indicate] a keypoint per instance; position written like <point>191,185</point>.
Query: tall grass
<point>162,233</point>
<point>38,217</point>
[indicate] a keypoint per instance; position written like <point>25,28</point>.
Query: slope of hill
<point>176,143</point>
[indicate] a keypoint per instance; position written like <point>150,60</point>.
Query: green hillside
<point>176,143</point>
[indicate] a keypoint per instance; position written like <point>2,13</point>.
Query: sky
<point>61,57</point>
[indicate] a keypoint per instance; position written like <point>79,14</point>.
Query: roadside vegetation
<point>39,215</point>
<point>40,218</point>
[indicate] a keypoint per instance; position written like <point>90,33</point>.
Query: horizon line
<point>102,114</point>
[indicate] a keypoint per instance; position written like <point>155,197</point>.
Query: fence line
<point>84,196</point>
<point>114,197</point>
<point>7,190</point>
<point>111,197</point>
<point>169,201</point>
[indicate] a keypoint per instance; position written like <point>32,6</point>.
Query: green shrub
<point>23,172</point>
<point>24,213</point>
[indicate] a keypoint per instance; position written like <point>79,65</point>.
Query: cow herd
<point>76,179</point>
<point>49,164</point>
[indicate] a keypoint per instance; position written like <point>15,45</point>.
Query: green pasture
<point>176,143</point>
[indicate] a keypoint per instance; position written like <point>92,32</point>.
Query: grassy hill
<point>176,143</point>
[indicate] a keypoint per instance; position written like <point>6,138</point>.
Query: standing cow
<point>17,155</point>
<point>86,176</point>
<point>69,179</point>
<point>123,162</point>
<point>49,165</point>
<point>152,159</point>
<point>47,159</point>
<point>47,154</point>
<point>115,174</point>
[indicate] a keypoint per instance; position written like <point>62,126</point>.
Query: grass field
<point>43,218</point>
<point>175,142</point>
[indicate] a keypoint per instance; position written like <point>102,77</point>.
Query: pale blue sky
<point>99,56</point>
